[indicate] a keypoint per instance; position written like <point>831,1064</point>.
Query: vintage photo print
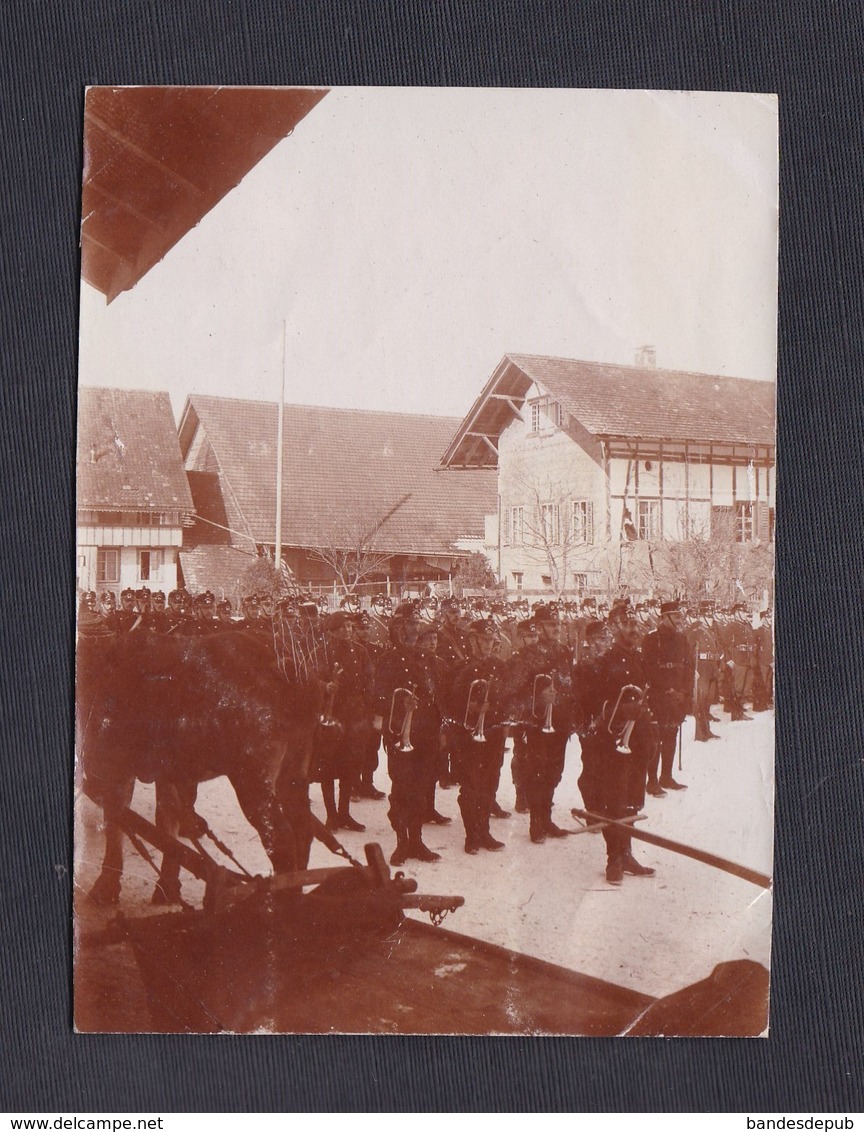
<point>424,565</point>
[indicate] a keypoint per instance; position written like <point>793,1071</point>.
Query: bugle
<point>542,683</point>
<point>327,718</point>
<point>622,718</point>
<point>401,712</point>
<point>476,708</point>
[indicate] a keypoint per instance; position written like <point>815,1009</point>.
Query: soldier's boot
<point>400,854</point>
<point>328,795</point>
<point>498,811</point>
<point>344,815</point>
<point>416,849</point>
<point>465,809</point>
<point>537,826</point>
<point>487,841</point>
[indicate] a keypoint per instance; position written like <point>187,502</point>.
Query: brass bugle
<point>544,709</point>
<point>623,716</point>
<point>402,704</point>
<point>327,718</point>
<point>478,704</point>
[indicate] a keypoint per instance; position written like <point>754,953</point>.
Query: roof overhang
<point>475,444</point>
<point>157,159</point>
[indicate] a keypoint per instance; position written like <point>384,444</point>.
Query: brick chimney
<point>646,357</point>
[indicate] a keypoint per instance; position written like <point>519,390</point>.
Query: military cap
<point>158,595</point>
<point>482,627</point>
<point>706,607</point>
<point>594,629</point>
<point>128,592</point>
<point>544,613</point>
<point>406,609</point>
<point>205,599</point>
<point>338,620</point>
<point>670,607</point>
<point>589,602</point>
<point>620,611</point>
<point>739,607</point>
<point>527,626</point>
<point>362,618</point>
<point>224,605</point>
<point>450,605</point>
<point>766,612</point>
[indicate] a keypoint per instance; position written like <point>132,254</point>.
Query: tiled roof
<point>612,400</point>
<point>344,470</point>
<point>128,452</point>
<point>620,401</point>
<point>215,568</point>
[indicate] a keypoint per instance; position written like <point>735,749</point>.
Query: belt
<point>677,664</point>
<point>708,656</point>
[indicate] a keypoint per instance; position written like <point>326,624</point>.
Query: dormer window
<point>546,415</point>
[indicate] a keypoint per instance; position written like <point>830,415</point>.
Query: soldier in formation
<point>456,683</point>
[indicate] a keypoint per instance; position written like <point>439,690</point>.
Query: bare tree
<point>352,546</point>
<point>712,562</point>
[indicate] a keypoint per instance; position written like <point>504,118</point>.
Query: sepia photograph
<point>425,562</point>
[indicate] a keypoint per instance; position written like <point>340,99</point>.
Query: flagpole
<point>277,556</point>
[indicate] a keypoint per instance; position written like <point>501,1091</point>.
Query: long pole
<point>277,556</point>
<point>712,859</point>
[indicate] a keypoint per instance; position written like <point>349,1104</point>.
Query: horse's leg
<point>169,805</point>
<point>115,799</point>
<point>258,801</point>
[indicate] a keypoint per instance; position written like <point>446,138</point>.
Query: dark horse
<point>179,710</point>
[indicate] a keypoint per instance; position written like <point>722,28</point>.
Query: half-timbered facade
<point>598,461</point>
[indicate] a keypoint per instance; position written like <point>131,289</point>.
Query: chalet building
<point>133,496</point>
<point>602,466</point>
<point>353,482</point>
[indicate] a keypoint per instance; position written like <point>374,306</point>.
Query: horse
<point>177,710</point>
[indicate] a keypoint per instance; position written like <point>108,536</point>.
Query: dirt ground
<point>551,901</point>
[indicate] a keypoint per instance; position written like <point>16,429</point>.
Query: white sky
<point>411,237</point>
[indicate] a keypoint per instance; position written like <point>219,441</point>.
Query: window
<point>580,583</point>
<point>108,565</point>
<point>150,565</point>
<point>517,526</point>
<point>546,579</point>
<point>583,521</point>
<point>517,579</point>
<point>743,522</point>
<point>549,523</point>
<point>648,517</point>
<point>545,415</point>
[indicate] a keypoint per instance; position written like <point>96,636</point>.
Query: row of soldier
<point>445,691</point>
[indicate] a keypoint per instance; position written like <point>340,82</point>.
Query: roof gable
<point>616,400</point>
<point>128,452</point>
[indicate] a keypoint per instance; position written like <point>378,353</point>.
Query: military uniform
<point>476,765</point>
<point>707,658</point>
<point>763,671</point>
<point>402,667</point>
<point>740,655</point>
<point>544,750</point>
<point>617,771</point>
<point>669,672</point>
<point>343,734</point>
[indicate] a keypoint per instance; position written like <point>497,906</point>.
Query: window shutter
<point>761,528</point>
<point>589,522</point>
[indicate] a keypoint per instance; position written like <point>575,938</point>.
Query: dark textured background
<point>810,54</point>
